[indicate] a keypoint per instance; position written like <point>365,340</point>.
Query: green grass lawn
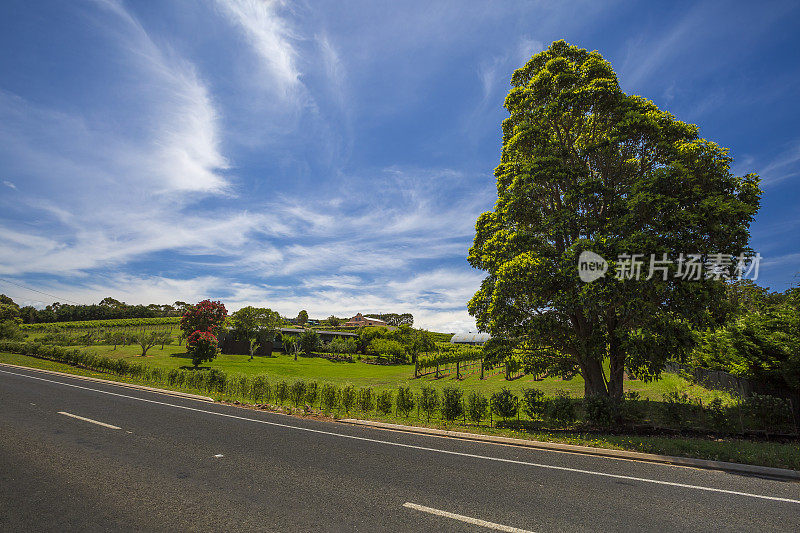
<point>381,377</point>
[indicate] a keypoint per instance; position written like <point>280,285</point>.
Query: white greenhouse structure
<point>475,339</point>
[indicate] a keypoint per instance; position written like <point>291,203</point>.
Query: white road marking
<point>219,455</point>
<point>424,448</point>
<point>467,519</point>
<point>89,420</point>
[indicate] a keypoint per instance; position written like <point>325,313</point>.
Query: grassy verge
<point>775,454</point>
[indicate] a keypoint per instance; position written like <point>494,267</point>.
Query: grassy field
<point>382,377</point>
<point>776,454</point>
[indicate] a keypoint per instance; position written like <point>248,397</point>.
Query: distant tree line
<point>107,309</point>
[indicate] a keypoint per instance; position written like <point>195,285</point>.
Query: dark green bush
<point>767,412</point>
<point>533,403</point>
<point>428,400</point>
<point>328,397</point>
<point>560,409</point>
<point>602,410</point>
<point>504,403</point>
<point>384,402</point>
<point>297,392</point>
<point>677,408</point>
<point>405,401</point>
<point>348,397</point>
<point>365,399</point>
<point>281,391</point>
<point>312,392</point>
<point>476,406</point>
<point>452,407</point>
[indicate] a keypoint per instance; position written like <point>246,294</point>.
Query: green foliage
<point>586,167</point>
<point>259,389</point>
<point>348,397</point>
<point>477,404</point>
<point>312,392</point>
<point>104,324</point>
<point>340,345</point>
<point>560,409</point>
<point>202,346</point>
<point>255,323</point>
<point>281,391</point>
<point>297,392</point>
<point>383,402</point>
<point>405,401</point>
<point>329,396</point>
<point>678,408</point>
<point>388,348</point>
<point>769,412</point>
<point>428,400</point>
<point>603,411</point>
<point>450,354</point>
<point>302,317</point>
<point>452,406</point>
<point>504,403</point>
<point>365,399</point>
<point>205,316</point>
<point>309,341</point>
<point>761,346</point>
<point>533,403</point>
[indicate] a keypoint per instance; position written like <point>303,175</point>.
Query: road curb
<point>724,466</point>
<point>119,383</point>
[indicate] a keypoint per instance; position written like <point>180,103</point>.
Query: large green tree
<point>254,324</point>
<point>587,167</point>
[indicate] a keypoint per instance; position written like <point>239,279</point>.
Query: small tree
<point>452,407</point>
<point>405,401</point>
<point>297,392</point>
<point>147,338</point>
<point>533,403</point>
<point>252,323</point>
<point>384,402</point>
<point>205,316</point>
<point>428,400</point>
<point>302,317</point>
<point>348,397</point>
<point>281,391</point>
<point>309,342</point>
<point>202,347</point>
<point>505,403</point>
<point>365,399</point>
<point>328,397</point>
<point>334,321</point>
<point>312,392</point>
<point>476,406</point>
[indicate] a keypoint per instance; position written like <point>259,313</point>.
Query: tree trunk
<point>594,382</point>
<point>617,366</point>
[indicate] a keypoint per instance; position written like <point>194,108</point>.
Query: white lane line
<point>89,420</point>
<point>467,519</point>
<point>424,448</point>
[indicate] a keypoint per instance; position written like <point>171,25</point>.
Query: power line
<point>41,292</point>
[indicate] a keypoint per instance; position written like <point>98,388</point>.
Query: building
<point>361,320</point>
<point>474,339</point>
<point>325,336</point>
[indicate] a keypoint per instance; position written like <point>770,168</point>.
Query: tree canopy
<point>586,167</point>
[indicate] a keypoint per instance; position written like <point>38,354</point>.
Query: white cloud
<point>786,165</point>
<point>9,184</point>
<point>270,37</point>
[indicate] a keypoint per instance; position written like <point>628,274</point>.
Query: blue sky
<point>333,156</point>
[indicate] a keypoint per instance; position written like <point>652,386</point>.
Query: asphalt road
<point>163,463</point>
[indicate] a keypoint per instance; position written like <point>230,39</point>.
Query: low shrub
<point>452,406</point>
<point>281,391</point>
<point>677,408</point>
<point>312,392</point>
<point>365,399</point>
<point>428,400</point>
<point>533,403</point>
<point>328,397</point>
<point>405,401</point>
<point>476,406</point>
<point>560,409</point>
<point>769,413</point>
<point>297,392</point>
<point>348,397</point>
<point>384,402</point>
<point>602,410</point>
<point>504,403</point>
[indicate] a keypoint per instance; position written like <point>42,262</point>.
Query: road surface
<point>80,455</point>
